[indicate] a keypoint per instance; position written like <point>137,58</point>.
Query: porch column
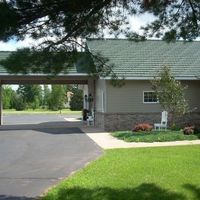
<point>91,93</point>
<point>1,106</point>
<point>85,94</point>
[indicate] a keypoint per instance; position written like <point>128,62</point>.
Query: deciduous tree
<point>170,93</point>
<point>8,97</point>
<point>57,97</point>
<point>32,95</point>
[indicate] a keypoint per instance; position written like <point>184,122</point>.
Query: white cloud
<point>7,46</point>
<point>13,45</point>
<point>136,22</point>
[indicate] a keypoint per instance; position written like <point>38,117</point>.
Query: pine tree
<point>76,102</point>
<point>61,25</point>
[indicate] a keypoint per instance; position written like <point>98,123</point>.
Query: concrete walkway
<point>106,141</point>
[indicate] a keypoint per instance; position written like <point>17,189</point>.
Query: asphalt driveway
<point>35,154</point>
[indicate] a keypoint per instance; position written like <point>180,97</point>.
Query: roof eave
<point>151,78</point>
<point>45,75</point>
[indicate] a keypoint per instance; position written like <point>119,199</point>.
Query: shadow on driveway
<point>34,157</point>
<point>59,127</point>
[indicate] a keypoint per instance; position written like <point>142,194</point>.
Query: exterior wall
<point>126,121</point>
<point>125,107</point>
<point>100,120</point>
<point>129,98</point>
<point>192,94</point>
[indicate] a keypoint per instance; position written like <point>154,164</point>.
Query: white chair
<point>90,119</point>
<point>163,124</point>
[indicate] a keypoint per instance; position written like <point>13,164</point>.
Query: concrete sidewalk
<point>106,141</point>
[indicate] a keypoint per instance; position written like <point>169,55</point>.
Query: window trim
<point>149,102</point>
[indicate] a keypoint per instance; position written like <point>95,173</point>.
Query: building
<point>119,108</point>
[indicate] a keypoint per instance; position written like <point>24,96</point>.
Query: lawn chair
<point>90,119</point>
<point>163,124</point>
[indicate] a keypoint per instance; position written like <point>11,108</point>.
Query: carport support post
<point>1,103</point>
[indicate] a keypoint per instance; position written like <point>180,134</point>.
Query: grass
<point>153,136</point>
<point>159,173</point>
<point>41,111</point>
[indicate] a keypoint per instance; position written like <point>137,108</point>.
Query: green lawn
<point>153,136</point>
<point>40,111</point>
<point>167,173</point>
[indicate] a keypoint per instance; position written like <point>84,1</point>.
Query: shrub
<point>20,104</point>
<point>76,102</point>
<point>143,127</point>
<point>188,130</point>
<point>197,129</point>
<point>174,127</point>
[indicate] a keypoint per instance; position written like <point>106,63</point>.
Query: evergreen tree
<point>76,102</point>
<point>57,97</point>
<point>62,24</point>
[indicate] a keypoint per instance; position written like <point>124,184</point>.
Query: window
<point>149,97</point>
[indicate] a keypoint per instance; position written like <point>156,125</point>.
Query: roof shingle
<point>144,59</point>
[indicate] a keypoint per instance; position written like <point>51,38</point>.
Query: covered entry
<point>70,78</point>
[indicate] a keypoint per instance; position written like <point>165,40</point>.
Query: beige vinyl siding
<point>129,98</point>
<point>100,95</point>
<point>192,94</point>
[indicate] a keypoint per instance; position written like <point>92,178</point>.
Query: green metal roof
<point>81,67</point>
<point>142,60</point>
<point>4,55</point>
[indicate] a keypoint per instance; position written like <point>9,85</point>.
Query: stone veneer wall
<point>99,120</point>
<point>189,119</point>
<point>126,121</point>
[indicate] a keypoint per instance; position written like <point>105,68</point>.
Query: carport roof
<point>77,69</point>
<point>77,74</point>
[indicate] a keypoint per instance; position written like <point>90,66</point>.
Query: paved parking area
<point>39,151</point>
<point>11,119</point>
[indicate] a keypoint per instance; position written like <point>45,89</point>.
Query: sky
<point>136,22</point>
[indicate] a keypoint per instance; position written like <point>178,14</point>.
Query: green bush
<point>35,104</point>
<point>76,102</point>
<point>19,103</point>
<point>56,98</point>
<point>154,136</point>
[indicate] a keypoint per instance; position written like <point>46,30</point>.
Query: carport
<point>75,76</point>
<point>37,155</point>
